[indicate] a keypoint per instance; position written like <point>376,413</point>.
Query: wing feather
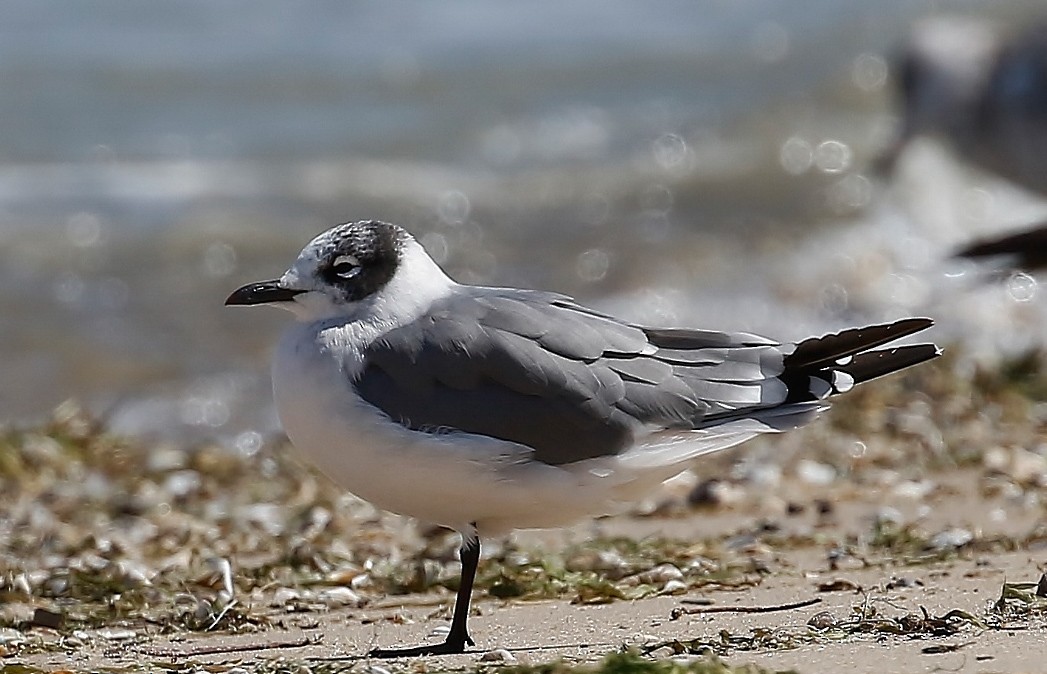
<point>572,384</point>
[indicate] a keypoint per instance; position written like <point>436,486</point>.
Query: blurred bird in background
<point>983,92</point>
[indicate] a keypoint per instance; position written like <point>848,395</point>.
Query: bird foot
<point>453,645</point>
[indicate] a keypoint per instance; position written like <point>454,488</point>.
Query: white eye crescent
<point>345,266</point>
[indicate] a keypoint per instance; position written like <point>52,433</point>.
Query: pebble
<point>336,597</point>
<point>21,584</point>
<point>499,655</point>
<point>714,492</point>
<point>117,634</point>
<point>902,582</point>
<point>813,472</point>
<point>285,595</point>
<point>914,489</point>
<point>345,575</point>
<point>10,635</point>
<point>659,575</point>
<point>951,538</point>
<point>764,474</point>
<point>839,585</point>
<point>889,515</point>
<point>674,586</point>
<point>182,483</point>
<point>1019,464</point>
<point>608,562</point>
<point>701,565</point>
<point>822,620</point>
<point>1028,467</point>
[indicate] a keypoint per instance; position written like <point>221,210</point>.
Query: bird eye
<point>345,266</point>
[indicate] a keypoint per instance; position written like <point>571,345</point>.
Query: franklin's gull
<point>489,409</point>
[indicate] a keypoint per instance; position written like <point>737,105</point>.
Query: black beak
<point>263,292</point>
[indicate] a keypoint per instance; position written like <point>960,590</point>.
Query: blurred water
<point>702,164</point>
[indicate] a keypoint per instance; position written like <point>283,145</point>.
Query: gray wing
<point>539,370</point>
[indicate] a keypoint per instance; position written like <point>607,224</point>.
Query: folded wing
<point>571,384</point>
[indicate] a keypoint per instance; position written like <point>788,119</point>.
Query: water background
<point>693,163</point>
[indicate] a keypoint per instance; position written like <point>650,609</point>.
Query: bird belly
<point>448,478</point>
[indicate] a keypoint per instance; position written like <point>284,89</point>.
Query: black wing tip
<point>1027,242</point>
<point>904,326</point>
<point>878,363</point>
<point>825,350</point>
<point>884,332</point>
<point>915,323</point>
<point>917,353</point>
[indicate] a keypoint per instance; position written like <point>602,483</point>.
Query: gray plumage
<point>503,362</point>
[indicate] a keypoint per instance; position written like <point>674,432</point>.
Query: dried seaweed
<point>632,663</point>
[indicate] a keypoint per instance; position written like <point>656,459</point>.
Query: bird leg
<point>458,637</point>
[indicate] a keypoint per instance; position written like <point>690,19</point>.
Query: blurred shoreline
<point>705,167</point>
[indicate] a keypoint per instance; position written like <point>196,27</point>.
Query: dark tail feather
<point>1028,248</point>
<point>818,352</point>
<point>822,366</point>
<point>873,364</point>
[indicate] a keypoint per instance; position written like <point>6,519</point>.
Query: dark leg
<point>458,637</point>
<point>469,554</point>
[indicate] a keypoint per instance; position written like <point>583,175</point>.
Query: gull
<point>489,409</point>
